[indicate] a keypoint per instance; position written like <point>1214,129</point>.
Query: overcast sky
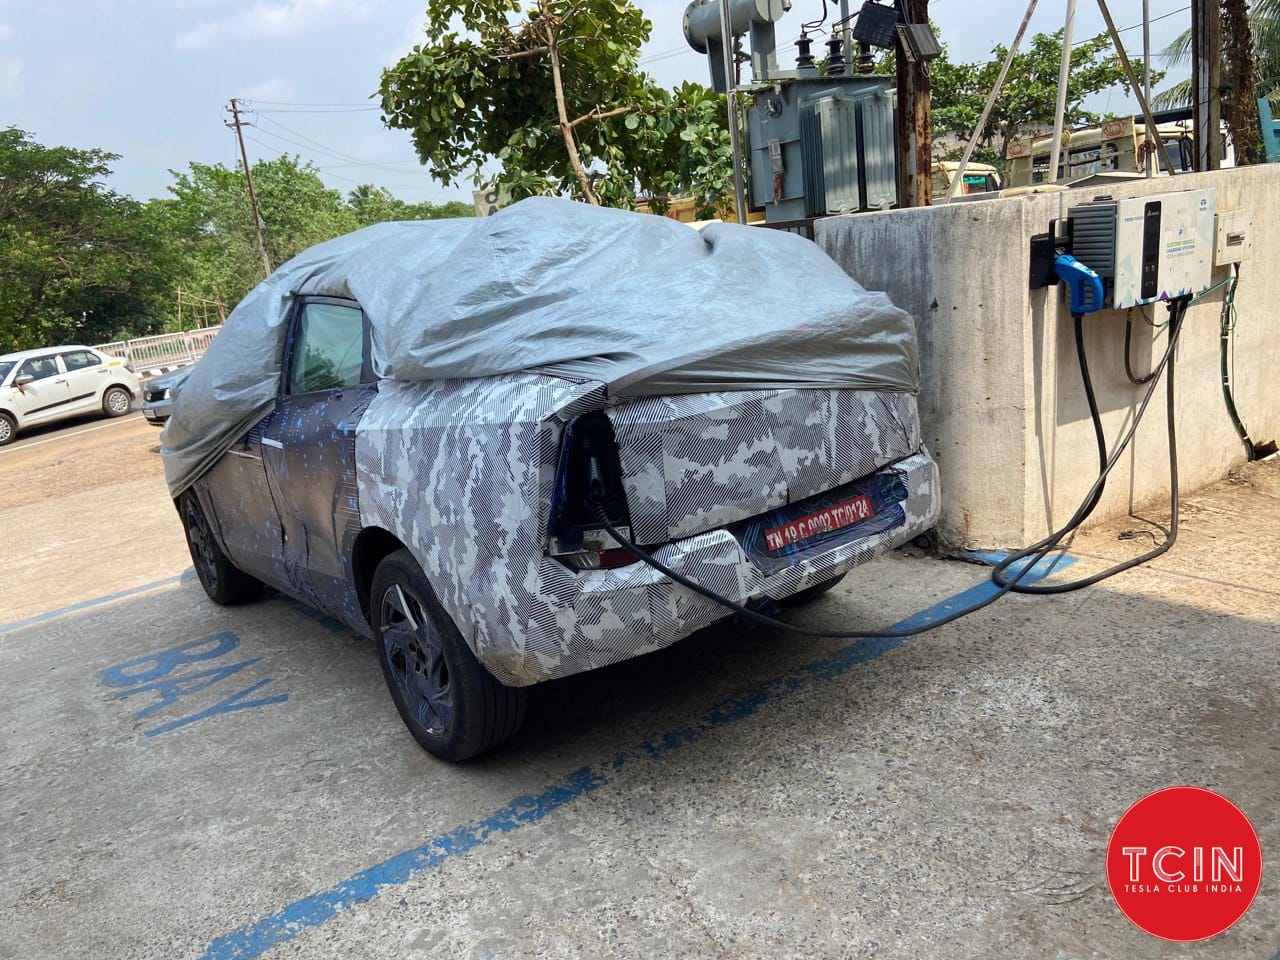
<point>148,79</point>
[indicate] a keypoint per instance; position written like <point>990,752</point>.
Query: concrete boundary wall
<point>1001,401</point>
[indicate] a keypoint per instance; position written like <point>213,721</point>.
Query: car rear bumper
<point>584,620</point>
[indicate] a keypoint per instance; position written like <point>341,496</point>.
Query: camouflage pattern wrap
<point>696,462</point>
<point>461,472</point>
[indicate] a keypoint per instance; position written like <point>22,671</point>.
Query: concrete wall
<point>1001,402</point>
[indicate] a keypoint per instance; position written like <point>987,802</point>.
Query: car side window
<point>80,360</point>
<point>327,348</point>
<point>38,368</point>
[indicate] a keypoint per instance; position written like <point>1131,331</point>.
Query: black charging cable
<point>1128,363</point>
<point>1033,554</point>
<point>1177,310</point>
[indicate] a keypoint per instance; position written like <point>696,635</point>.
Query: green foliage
<point>1250,70</point>
<point>1029,96</point>
<point>482,87</point>
<point>210,220</point>
<point>372,204</point>
<point>71,248</point>
<point>1264,24</point>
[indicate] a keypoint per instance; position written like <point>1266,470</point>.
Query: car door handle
<point>61,380</point>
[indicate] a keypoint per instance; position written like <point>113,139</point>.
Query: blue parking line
<point>95,602</point>
<point>312,911</point>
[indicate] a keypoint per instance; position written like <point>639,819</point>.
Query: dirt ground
<point>74,461</point>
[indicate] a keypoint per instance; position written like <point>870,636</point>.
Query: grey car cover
<point>645,305</point>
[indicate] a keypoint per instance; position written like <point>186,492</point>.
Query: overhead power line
<point>336,104</point>
<point>318,110</point>
<point>1138,26</point>
<point>384,167</point>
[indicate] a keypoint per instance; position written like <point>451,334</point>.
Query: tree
<point>1250,69</point>
<point>557,98</point>
<point>208,218</point>
<point>1028,98</point>
<point>78,262</point>
<point>372,204</point>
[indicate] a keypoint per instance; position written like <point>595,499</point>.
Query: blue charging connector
<point>1083,285</point>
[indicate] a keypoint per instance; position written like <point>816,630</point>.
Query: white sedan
<point>40,386</point>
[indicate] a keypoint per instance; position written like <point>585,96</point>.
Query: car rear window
<point>80,359</point>
<point>327,350</point>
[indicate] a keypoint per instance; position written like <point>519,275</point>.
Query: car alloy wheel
<point>223,581</point>
<point>6,430</point>
<point>415,655</point>
<point>118,401</point>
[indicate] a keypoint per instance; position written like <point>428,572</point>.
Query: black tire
<point>451,704</point>
<point>116,401</point>
<point>223,581</point>
<point>8,429</point>
<point>809,594</point>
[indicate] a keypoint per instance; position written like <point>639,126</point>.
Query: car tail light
<point>588,477</point>
<point>598,560</point>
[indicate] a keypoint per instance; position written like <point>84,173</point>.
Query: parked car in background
<point>978,178</point>
<point>41,386</point>
<point>158,395</point>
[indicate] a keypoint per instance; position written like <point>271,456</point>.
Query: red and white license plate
<point>835,517</point>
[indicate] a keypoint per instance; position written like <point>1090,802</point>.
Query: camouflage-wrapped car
<point>436,416</point>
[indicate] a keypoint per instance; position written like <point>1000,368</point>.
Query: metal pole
<point>726,45</point>
<point>1064,75</point>
<point>991,101</point>
<point>1146,78</point>
<point>1127,67</point>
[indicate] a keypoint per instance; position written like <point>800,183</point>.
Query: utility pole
<point>236,124</point>
<point>915,135</point>
<point>1206,83</point>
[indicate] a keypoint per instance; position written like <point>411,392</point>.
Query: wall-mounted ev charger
<point>1147,249</point>
<point>1150,249</point>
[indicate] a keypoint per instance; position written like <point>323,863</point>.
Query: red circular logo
<point>1184,863</point>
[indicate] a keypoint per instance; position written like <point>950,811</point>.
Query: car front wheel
<point>223,581</point>
<point>451,704</point>
<point>8,429</point>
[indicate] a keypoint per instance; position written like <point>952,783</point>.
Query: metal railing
<point>162,350</point>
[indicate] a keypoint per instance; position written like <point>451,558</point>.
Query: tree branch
<point>566,129</point>
<point>524,54</point>
<point>598,114</point>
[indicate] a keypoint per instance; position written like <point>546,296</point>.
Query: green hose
<point>1227,326</point>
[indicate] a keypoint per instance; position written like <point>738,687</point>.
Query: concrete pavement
<point>183,780</point>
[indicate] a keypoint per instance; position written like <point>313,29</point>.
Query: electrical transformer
<point>820,137</point>
<point>821,145</point>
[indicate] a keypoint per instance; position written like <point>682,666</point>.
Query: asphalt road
<point>70,428</point>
